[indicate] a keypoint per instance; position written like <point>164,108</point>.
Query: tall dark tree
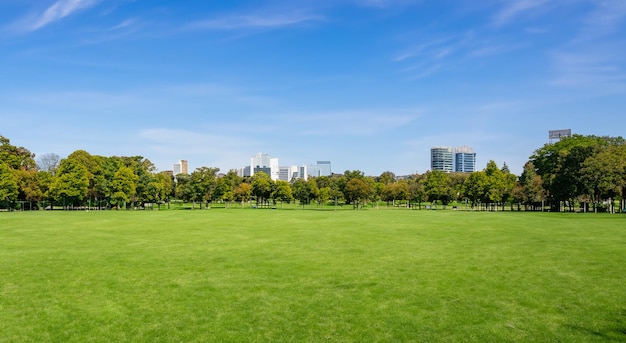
<point>531,184</point>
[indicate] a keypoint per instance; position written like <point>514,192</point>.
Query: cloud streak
<point>57,11</point>
<point>515,9</point>
<point>255,21</point>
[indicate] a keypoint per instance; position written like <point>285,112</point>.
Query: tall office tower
<point>442,159</point>
<point>183,167</point>
<point>263,163</point>
<point>303,174</point>
<point>465,160</point>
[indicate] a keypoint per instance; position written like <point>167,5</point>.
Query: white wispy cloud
<point>384,3</point>
<point>605,19</point>
<point>516,8</point>
<point>55,12</point>
<point>593,59</point>
<point>600,70</point>
<point>255,21</point>
<point>434,55</point>
<point>495,49</point>
<point>123,25</point>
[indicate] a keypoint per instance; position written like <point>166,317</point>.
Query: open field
<point>306,276</point>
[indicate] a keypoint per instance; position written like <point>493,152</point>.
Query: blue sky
<point>367,84</point>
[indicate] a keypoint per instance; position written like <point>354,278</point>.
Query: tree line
<point>578,171</point>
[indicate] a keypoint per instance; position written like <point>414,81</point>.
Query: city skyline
<point>369,85</point>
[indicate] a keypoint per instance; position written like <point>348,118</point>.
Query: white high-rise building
<point>288,173</point>
<point>263,163</point>
<point>181,167</point>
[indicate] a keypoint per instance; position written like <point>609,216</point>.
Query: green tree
<point>44,180</point>
<point>499,184</point>
<point>304,191</point>
<point>456,185</point>
<point>16,157</point>
<point>386,178</point>
<point>242,193</point>
<point>124,186</point>
<point>28,186</point>
<point>184,188</point>
<point>71,183</point>
<point>8,184</point>
<point>159,188</point>
<point>437,186</point>
<point>324,194</point>
<point>559,165</point>
<point>357,191</point>
<point>532,191</point>
<point>282,192</point>
<point>396,191</point>
<point>417,192</point>
<point>144,170</point>
<point>605,174</point>
<point>203,183</point>
<point>262,186</point>
<point>475,188</point>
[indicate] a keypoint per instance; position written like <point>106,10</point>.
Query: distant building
<point>288,173</point>
<point>263,163</point>
<point>244,172</point>
<point>322,168</point>
<point>442,159</point>
<point>464,160</point>
<point>447,159</point>
<point>181,168</point>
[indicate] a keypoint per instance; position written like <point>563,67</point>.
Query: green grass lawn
<point>307,276</point>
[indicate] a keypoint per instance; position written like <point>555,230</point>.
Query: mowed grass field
<point>258,275</point>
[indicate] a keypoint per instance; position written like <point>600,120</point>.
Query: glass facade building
<point>442,159</point>
<point>465,160</point>
<point>447,159</point>
<point>322,168</point>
